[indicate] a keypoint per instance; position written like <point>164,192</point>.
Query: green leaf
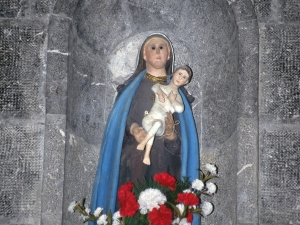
<point>175,208</point>
<point>83,202</point>
<point>109,217</point>
<point>209,177</point>
<point>197,210</point>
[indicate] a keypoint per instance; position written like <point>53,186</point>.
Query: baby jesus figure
<point>167,99</point>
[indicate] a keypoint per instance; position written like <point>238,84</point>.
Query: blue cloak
<point>107,176</point>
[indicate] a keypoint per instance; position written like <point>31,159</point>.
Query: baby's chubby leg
<point>156,125</point>
<point>143,143</point>
<point>146,159</point>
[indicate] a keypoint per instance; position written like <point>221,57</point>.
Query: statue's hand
<point>138,132</point>
<point>169,127</point>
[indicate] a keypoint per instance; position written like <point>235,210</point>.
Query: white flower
<point>207,208</point>
<point>211,168</point>
<point>87,210</point>
<point>116,218</point>
<point>176,221</point>
<point>98,211</point>
<point>72,206</point>
<point>211,188</point>
<point>102,220</point>
<point>197,184</point>
<point>117,215</point>
<point>184,222</point>
<point>83,217</point>
<point>187,191</point>
<point>181,222</point>
<point>116,222</point>
<point>151,198</point>
<point>180,207</point>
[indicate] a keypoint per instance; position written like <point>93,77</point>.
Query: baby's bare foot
<point>146,161</point>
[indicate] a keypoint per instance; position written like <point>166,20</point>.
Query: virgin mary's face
<point>156,53</point>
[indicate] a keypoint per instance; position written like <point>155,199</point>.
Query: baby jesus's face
<point>180,78</point>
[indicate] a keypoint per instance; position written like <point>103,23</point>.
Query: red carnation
<point>127,186</point>
<point>166,180</point>
<point>161,216</point>
<point>189,217</point>
<point>123,191</point>
<point>128,203</point>
<point>188,199</point>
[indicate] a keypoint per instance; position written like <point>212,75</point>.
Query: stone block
<point>66,7</point>
<point>290,10</point>
<point>279,91</point>
<point>25,8</point>
<point>53,169</point>
<point>58,34</point>
<point>86,96</point>
<point>279,176</point>
<point>21,156</point>
<point>22,104</point>
<point>81,162</point>
<point>225,199</point>
<point>263,9</point>
<point>42,7</point>
<point>247,171</point>
<point>10,8</point>
<point>219,109</point>
<point>248,73</point>
<point>87,114</point>
<point>21,70</point>
<point>56,87</point>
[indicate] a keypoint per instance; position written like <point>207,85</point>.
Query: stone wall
<point>60,63</point>
<point>279,111</point>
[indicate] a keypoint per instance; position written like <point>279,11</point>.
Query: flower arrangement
<point>159,201</point>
